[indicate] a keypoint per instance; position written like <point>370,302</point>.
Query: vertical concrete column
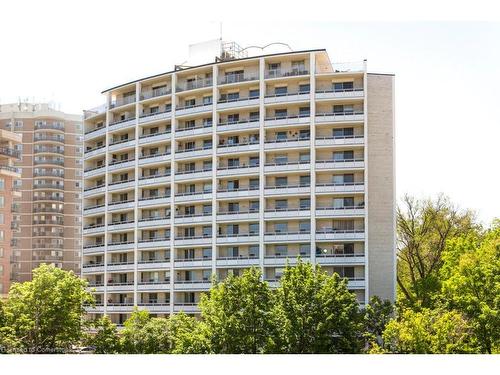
<point>312,106</point>
<point>107,180</point>
<point>173,127</point>
<point>262,157</point>
<point>136,189</point>
<point>215,121</point>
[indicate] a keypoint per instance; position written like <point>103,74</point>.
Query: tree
<point>471,284</point>
<point>143,334</point>
<point>316,312</point>
<point>45,315</point>
<point>428,332</point>
<point>103,336</point>
<point>236,314</point>
<point>188,335</point>
<point>376,316</point>
<point>423,229</point>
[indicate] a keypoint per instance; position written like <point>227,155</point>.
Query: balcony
<point>89,113</point>
<point>236,78</point>
<point>116,286</point>
<point>145,139</point>
<point>122,124</point>
<point>91,152</point>
<point>37,150</point>
<point>154,200</point>
<point>241,192</point>
<point>287,212</point>
<point>285,120</point>
<point>115,226</point>
<point>289,97</point>
<point>155,116</point>
<point>121,144</point>
<point>48,186</point>
<point>287,236</point>
<point>184,132</point>
<point>192,285</point>
<point>344,187</point>
<point>95,133</point>
<point>241,215</point>
<point>49,161</point>
<point>193,109</point>
<point>196,152</point>
<point>94,171</point>
<point>186,307</point>
<point>350,140</point>
<point>233,238</point>
<point>355,163</point>
<point>121,184</point>
<point>122,101</point>
<point>287,143</point>
<point>249,101</point>
<point>92,249</point>
<point>154,285</point>
<point>238,170</point>
<point>238,261</point>
<point>193,263</point>
<point>203,217</point>
<point>191,196</point>
<point>154,264</point>
<point>193,240</point>
<point>280,73</point>
<point>120,266</point>
<point>120,245</point>
<point>160,91</point>
<point>93,229</point>
<point>194,174</point>
<point>121,205</point>
<point>154,221</point>
<point>346,116</point>
<point>10,152</point>
<point>121,164</point>
<point>46,126</point>
<point>48,138</point>
<point>154,242</point>
<point>238,148</point>
<point>352,93</point>
<point>240,125</point>
<point>160,178</point>
<point>326,234</point>
<point>155,307</point>
<point>341,259</point>
<point>287,166</point>
<point>346,211</point>
<point>194,84</point>
<point>93,268</point>
<point>154,158</point>
<point>282,260</point>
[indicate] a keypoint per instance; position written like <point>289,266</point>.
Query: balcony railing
<point>166,153</point>
<point>196,84</point>
<point>95,129</point>
<point>287,117</point>
<point>165,174</point>
<point>155,92</point>
<point>180,108</point>
<point>121,121</point>
<point>53,126</point>
<point>241,188</point>
<point>168,131</point>
<point>48,138</point>
<point>154,197</point>
<point>236,122</point>
<point>189,171</point>
<point>238,99</point>
<point>277,73</point>
<point>117,142</point>
<point>10,152</point>
<point>90,149</point>
<point>235,78</point>
<point>122,101</point>
<point>154,239</point>
<point>339,114</point>
<point>148,114</point>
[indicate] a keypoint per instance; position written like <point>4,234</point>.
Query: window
<point>207,230</point>
<point>207,209</point>
<point>232,96</point>
<point>305,203</point>
<point>254,205</point>
<point>254,161</point>
<point>2,218</point>
<point>254,116</point>
<point>233,229</point>
<point>253,251</point>
<point>253,228</point>
<point>304,157</point>
<point>207,252</point>
<point>254,183</point>
<point>305,180</point>
<point>343,133</point>
<point>305,226</point>
<point>305,249</point>
<point>280,250</point>
<point>280,113</point>
<point>2,202</point>
<point>281,181</point>
<point>299,67</point>
<point>2,235</point>
<point>304,88</point>
<point>281,204</point>
<point>281,227</point>
<point>281,90</point>
<point>2,184</point>
<point>207,100</point>
<point>254,93</point>
<point>304,111</point>
<point>343,86</point>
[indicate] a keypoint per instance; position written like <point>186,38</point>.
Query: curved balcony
<point>49,162</point>
<point>121,145</point>
<point>120,245</point>
<point>344,187</point>
<point>241,192</point>
<point>50,186</point>
<point>326,234</point>
<point>238,170</point>
<point>240,125</point>
<point>96,209</point>
<point>95,151</point>
<point>194,85</point>
<point>285,73</point>
<point>186,132</point>
<point>146,139</point>
<point>45,126</point>
<point>155,93</point>
<point>351,140</point>
<point>94,171</point>
<point>38,137</point>
<point>238,148</point>
<point>156,179</point>
<point>10,152</point>
<point>121,164</point>
<point>93,229</point>
<point>122,101</point>
<point>347,116</point>
<point>154,201</point>
<point>93,249</point>
<point>356,163</point>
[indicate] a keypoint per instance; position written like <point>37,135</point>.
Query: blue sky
<point>447,73</point>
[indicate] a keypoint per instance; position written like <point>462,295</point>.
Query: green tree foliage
<point>471,284</point>
<point>188,335</point>
<point>428,332</point>
<point>236,314</point>
<point>423,227</point>
<point>45,315</point>
<point>316,313</point>
<point>376,316</point>
<point>143,334</point>
<point>103,336</point>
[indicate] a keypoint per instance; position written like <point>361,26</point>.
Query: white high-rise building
<point>246,161</point>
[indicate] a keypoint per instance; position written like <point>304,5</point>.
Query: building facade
<point>9,185</point>
<point>238,163</point>
<point>49,209</point>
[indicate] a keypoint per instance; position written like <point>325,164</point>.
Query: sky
<point>446,64</point>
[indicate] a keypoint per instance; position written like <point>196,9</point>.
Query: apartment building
<point>243,162</point>
<point>9,185</point>
<point>49,209</point>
